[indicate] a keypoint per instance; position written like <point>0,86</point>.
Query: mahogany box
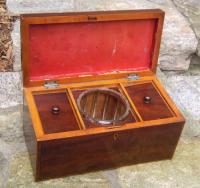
<point>91,88</point>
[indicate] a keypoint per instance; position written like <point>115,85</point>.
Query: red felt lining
<point>71,49</point>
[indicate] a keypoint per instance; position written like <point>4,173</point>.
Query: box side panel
<point>30,139</point>
<point>77,155</point>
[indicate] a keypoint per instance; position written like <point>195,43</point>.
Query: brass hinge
<point>51,84</point>
<point>133,77</point>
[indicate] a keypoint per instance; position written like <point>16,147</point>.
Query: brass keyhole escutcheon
<point>115,137</point>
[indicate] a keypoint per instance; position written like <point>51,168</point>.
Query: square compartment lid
<point>71,45</point>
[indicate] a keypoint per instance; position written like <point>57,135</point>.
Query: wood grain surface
<point>88,153</point>
<point>156,109</point>
<point>51,123</point>
<point>68,144</point>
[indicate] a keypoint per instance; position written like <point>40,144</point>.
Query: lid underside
<point>90,48</point>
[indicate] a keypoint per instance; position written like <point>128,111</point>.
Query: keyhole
<point>115,137</point>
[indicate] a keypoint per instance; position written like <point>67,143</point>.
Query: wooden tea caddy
<point>66,54</point>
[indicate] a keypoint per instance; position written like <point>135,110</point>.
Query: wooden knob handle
<point>147,99</point>
<point>55,110</point>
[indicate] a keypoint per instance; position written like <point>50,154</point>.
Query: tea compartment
<point>63,120</point>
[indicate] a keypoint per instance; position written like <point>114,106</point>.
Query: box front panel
<point>77,155</point>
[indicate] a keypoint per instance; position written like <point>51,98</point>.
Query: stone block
<point>178,42</point>
<point>191,9</point>
<point>15,34</point>
<point>38,6</point>
<point>10,89</point>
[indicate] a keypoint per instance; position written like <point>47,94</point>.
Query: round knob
<point>147,99</point>
<point>55,110</point>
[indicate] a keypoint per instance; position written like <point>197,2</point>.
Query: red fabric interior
<point>71,49</point>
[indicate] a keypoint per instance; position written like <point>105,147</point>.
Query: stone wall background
<point>6,55</point>
<point>180,47</point>
<point>180,40</point>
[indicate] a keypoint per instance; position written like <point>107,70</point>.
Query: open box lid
<point>90,45</point>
